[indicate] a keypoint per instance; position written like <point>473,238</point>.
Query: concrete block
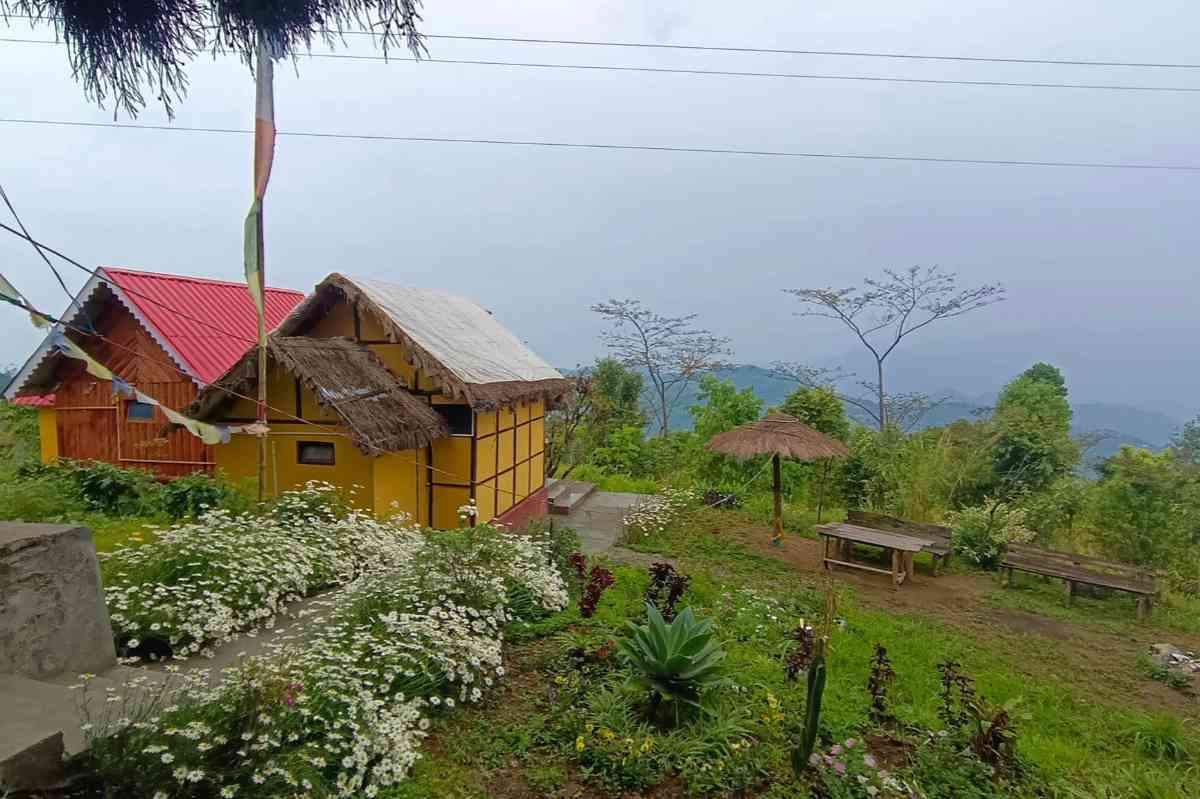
<point>52,613</point>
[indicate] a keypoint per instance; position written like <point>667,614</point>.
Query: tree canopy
<point>820,408</point>
<point>1033,423</point>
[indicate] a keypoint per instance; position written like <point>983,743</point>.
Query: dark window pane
<point>139,412</point>
<point>318,453</point>
<point>458,417</point>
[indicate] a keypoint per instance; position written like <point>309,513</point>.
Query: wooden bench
<point>1075,570</point>
<point>940,546</point>
<point>900,547</point>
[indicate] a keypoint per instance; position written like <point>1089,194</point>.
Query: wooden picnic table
<point>901,548</point>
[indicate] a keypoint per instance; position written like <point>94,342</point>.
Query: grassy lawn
<point>1082,732</point>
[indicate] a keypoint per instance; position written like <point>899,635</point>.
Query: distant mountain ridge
<point>1119,423</point>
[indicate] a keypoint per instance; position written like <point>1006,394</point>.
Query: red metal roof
<point>44,401</point>
<point>220,322</point>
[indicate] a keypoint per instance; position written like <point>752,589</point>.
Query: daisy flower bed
<point>341,709</point>
<point>204,582</point>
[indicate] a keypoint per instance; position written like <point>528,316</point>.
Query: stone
<point>36,767</point>
<point>53,619</point>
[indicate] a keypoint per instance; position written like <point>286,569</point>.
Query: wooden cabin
<point>409,400</point>
<point>168,336</point>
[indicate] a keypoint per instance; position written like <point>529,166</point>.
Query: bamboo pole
<point>777,539</point>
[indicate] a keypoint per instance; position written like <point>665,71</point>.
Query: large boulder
<point>53,619</point>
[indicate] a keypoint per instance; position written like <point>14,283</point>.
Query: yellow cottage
<point>413,398</point>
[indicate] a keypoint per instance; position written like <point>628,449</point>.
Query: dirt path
<point>1104,660</point>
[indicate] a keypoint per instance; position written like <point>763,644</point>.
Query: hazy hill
<point>1119,423</point>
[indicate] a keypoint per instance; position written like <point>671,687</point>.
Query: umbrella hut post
<point>821,490</point>
<point>777,540</point>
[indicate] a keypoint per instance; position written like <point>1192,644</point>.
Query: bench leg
<point>1144,606</point>
<point>825,556</point>
<point>1070,592</point>
<point>897,568</point>
<point>1008,578</point>
<point>909,568</point>
<point>937,564</point>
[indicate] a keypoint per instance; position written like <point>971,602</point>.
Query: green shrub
<point>45,497</point>
<point>674,662</point>
<point>559,541</point>
<point>114,490</point>
<point>18,435</point>
<point>195,493</point>
<point>981,534</point>
<point>941,770</point>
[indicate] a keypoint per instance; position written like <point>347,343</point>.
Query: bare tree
<point>884,312</point>
<point>905,409</point>
<point>668,349</point>
<point>563,424</point>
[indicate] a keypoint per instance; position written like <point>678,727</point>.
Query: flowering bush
<point>205,581</point>
<point>982,534</point>
<point>338,709</point>
<point>654,515</point>
<point>848,771</point>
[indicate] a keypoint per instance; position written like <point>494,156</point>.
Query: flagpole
<point>262,364</point>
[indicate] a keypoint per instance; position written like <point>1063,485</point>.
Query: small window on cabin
<point>315,453</point>
<point>139,412</point>
<point>459,418</point>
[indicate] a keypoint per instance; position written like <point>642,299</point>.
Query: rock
<point>53,619</point>
<point>36,767</point>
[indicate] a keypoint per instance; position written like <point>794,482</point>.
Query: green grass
<point>1115,614</point>
<point>1077,738</point>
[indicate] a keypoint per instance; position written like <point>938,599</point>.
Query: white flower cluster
<point>206,581</point>
<point>339,708</point>
<point>655,514</point>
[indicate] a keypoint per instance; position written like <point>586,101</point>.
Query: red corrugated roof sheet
<point>222,324</point>
<point>44,401</point>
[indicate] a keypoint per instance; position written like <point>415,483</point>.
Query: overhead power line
<point>1073,62</point>
<point>626,147</point>
<point>725,73</point>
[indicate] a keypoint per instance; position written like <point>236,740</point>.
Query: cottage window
<point>316,453</point>
<point>459,418</point>
<point>139,412</point>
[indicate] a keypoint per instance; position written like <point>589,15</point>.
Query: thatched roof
<point>345,376</point>
<point>778,434</point>
<point>453,340</point>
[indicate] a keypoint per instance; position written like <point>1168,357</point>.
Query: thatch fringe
<point>379,414</point>
<point>778,434</point>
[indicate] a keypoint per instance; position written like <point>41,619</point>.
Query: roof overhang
<point>36,376</point>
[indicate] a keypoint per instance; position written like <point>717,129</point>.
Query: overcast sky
<point>1100,265</point>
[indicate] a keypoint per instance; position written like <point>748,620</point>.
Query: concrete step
<point>566,495</point>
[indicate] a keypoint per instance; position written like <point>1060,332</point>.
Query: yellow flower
<point>560,680</point>
<point>647,744</point>
<point>579,744</point>
<point>607,734</point>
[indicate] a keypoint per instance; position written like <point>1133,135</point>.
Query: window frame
<point>131,404</point>
<point>300,458</point>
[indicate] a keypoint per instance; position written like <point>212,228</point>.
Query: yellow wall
<point>48,433</point>
<point>351,471</point>
<point>509,457</point>
<point>401,478</point>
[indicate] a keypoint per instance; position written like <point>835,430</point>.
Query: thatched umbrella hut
<point>780,436</point>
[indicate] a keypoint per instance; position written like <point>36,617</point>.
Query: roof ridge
<point>190,278</point>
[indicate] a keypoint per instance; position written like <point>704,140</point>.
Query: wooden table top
<point>879,538</point>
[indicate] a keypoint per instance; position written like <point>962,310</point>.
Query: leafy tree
<point>1042,372</point>
<point>669,350</point>
<point>722,407</point>
<point>884,312</point>
<point>820,408</point>
<point>1186,443</point>
<point>605,398</point>
<point>625,452</point>
<point>1033,423</point>
<point>1146,508</point>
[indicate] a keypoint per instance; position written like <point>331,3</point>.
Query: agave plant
<point>673,661</point>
